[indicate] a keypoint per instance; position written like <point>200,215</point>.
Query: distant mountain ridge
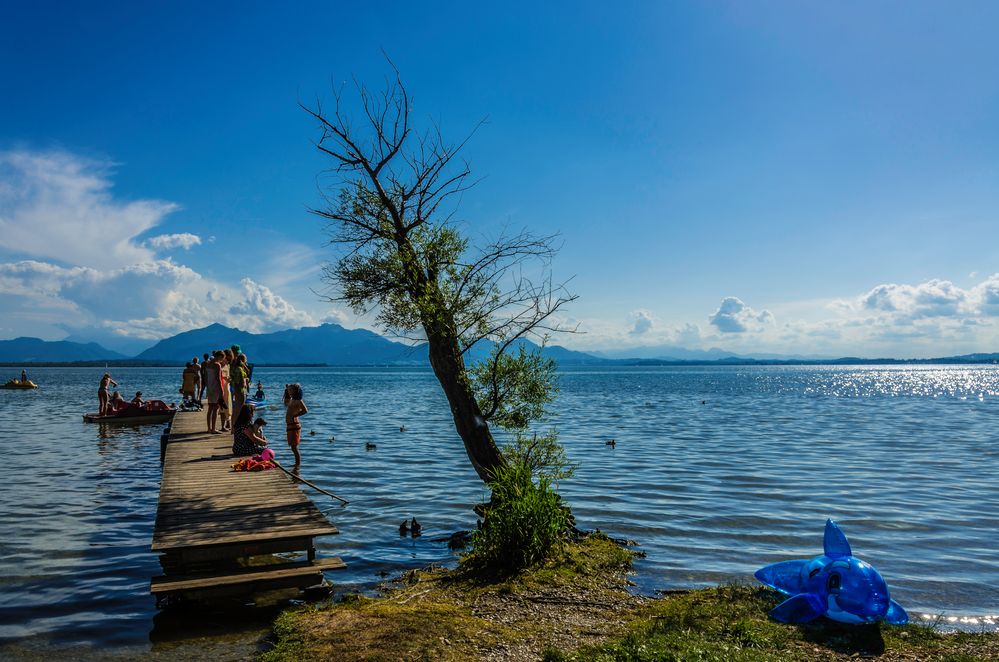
<point>35,350</point>
<point>328,344</point>
<point>332,344</point>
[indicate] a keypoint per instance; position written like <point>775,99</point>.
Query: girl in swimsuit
<point>296,408</point>
<point>102,393</point>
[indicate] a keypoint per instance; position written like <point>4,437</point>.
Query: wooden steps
<point>310,571</point>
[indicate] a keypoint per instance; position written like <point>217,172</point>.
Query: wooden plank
<point>164,584</point>
<point>168,543</point>
<point>203,503</point>
<point>228,552</point>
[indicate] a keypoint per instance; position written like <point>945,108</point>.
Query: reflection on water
<point>716,471</point>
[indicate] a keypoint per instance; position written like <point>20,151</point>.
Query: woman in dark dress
<point>249,437</point>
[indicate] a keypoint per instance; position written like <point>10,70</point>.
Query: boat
<point>20,385</point>
<point>152,411</point>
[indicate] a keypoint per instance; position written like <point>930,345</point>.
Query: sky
<point>802,178</point>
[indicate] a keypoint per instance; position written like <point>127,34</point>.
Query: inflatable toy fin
<point>801,608</point>
<point>784,576</point>
<point>834,541</point>
<point>896,614</point>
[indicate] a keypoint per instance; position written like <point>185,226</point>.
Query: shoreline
<point>609,363</point>
<point>579,607</point>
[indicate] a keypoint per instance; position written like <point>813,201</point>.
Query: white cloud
<point>59,206</point>
<point>91,271</point>
<point>986,296</point>
<point>733,316</point>
<point>164,242</point>
<point>335,317</point>
<point>260,309</point>
<point>934,298</point>
<point>149,300</point>
<point>642,323</point>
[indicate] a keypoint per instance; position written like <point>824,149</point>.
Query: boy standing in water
<point>296,408</point>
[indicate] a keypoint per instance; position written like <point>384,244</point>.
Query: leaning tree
<point>402,256</point>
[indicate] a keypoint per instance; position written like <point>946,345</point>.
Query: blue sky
<point>802,178</point>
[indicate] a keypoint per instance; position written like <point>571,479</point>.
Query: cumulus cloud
<point>932,318</point>
<point>335,317</point>
<point>90,270</point>
<point>733,316</point>
<point>986,296</point>
<point>165,242</point>
<point>263,310</point>
<point>149,300</point>
<point>934,298</point>
<point>59,206</point>
<point>642,322</point>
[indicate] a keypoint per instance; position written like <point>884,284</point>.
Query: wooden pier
<point>217,529</point>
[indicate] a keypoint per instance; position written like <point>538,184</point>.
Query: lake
<point>716,471</point>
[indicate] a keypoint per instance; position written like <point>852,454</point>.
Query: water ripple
<point>715,471</point>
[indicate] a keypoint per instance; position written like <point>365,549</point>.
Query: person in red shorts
<point>296,408</point>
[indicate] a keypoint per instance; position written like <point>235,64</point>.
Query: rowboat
<point>153,411</point>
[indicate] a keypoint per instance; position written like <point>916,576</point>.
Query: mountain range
<point>328,344</point>
<point>33,350</point>
<point>331,344</point>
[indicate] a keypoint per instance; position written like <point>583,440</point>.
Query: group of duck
<point>412,527</point>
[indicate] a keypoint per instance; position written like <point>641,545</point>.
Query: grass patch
<point>731,623</point>
<point>573,607</point>
<point>433,615</point>
<point>380,629</point>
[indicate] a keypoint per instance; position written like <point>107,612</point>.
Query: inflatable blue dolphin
<point>835,584</point>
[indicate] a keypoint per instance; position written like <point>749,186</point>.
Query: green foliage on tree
<point>402,256</point>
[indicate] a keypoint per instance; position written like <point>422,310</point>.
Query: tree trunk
<point>449,367</point>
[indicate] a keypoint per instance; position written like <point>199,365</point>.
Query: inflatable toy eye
<point>834,582</point>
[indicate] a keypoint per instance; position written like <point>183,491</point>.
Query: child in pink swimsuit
<point>296,408</point>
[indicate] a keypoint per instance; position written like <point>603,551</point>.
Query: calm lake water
<point>716,472</point>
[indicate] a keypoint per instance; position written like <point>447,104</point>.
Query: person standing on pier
<point>189,382</point>
<point>213,389</point>
<point>225,404</point>
<point>296,407</point>
<point>239,377</point>
<point>204,377</point>
<point>197,378</point>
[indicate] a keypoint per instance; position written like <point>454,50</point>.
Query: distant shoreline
<point>607,363</point>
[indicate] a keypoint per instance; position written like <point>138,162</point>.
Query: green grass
<point>432,616</point>
<point>731,623</point>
